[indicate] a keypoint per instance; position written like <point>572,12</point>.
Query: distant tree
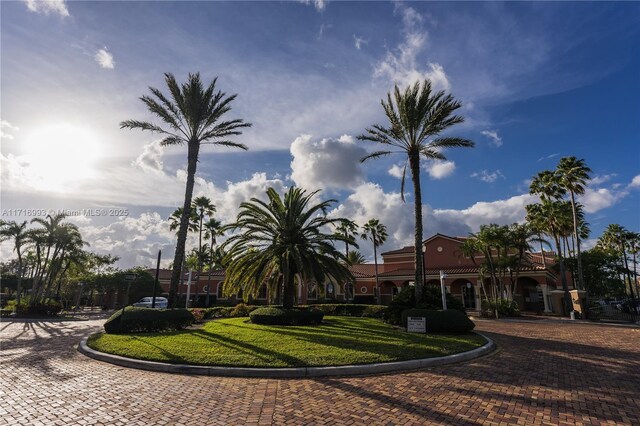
<point>355,258</point>
<point>191,115</point>
<point>375,232</point>
<point>347,230</point>
<point>18,233</point>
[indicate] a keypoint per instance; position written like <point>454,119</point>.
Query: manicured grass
<point>237,342</point>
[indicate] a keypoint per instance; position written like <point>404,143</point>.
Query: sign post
<point>155,285</point>
<point>416,324</point>
<point>443,290</point>
<point>186,305</point>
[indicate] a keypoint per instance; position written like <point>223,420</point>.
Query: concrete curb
<point>298,372</point>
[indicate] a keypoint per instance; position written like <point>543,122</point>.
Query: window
<point>312,291</point>
<point>220,292</point>
<point>363,289</point>
<point>262,294</point>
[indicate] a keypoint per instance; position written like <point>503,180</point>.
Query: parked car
<point>146,302</point>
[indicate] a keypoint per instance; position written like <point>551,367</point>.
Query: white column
<point>545,297</point>
<point>478,289</point>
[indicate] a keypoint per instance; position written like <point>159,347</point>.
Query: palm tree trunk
<point>375,261</point>
<point>563,278</point>
<point>627,270</point>
<point>414,163</point>
<point>184,221</point>
<point>289,290</point>
<point>544,260</point>
<point>577,239</point>
<point>19,285</point>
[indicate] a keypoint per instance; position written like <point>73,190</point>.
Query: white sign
<point>416,324</point>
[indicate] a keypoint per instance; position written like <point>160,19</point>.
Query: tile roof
<point>363,270</point>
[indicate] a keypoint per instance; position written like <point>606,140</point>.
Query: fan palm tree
<point>281,241</point>
<point>573,175</point>
<point>191,115</point>
<point>417,117</point>
<point>202,207</point>
<point>348,230</point>
<point>18,233</point>
<point>375,232</point>
<point>546,185</point>
<point>176,217</point>
<point>213,229</point>
<point>614,239</point>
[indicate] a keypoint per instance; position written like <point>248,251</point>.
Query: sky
<point>537,81</point>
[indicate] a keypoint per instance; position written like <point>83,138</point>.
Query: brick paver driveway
<point>542,374</point>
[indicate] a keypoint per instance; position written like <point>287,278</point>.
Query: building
<point>538,287</point>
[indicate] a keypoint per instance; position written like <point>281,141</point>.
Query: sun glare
<point>62,155</point>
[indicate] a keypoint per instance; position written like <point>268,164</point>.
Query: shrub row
<point>47,308</point>
<point>506,308</point>
<point>449,321</point>
<point>147,320</point>
<point>281,316</point>
<point>432,300</point>
<point>352,310</point>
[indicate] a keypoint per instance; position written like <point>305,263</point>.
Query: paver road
<point>543,373</point>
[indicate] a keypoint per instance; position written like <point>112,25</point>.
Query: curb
<point>294,372</point>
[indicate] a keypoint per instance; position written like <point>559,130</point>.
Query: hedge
<point>449,321</point>
<point>351,310</point>
<point>46,308</point>
<point>147,320</point>
<point>281,316</point>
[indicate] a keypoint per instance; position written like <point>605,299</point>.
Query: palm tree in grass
<point>213,229</point>
<point>18,233</point>
<point>573,175</point>
<point>191,115</point>
<point>280,241</point>
<point>202,206</point>
<point>375,232</point>
<point>348,230</point>
<point>417,118</point>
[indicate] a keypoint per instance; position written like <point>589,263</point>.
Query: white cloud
<point>401,65</point>
<point>105,59</point>
<point>635,182</point>
<point>439,169</point>
<point>151,157</point>
<point>600,179</point>
<point>6,129</point>
<point>320,5</point>
<point>328,163</point>
<point>48,6</point>
<point>495,139</point>
<point>359,41</point>
<point>548,157</point>
<point>595,199</point>
<point>488,177</point>
<point>396,170</point>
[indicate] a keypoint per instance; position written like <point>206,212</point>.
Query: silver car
<point>146,302</point>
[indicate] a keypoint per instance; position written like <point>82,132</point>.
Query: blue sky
<point>537,81</point>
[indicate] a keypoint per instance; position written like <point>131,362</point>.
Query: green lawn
<point>236,342</point>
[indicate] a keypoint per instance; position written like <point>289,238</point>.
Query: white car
<point>146,302</point>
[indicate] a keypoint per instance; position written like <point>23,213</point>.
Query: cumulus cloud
<point>487,176</point>
<point>6,129</point>
<point>635,182</point>
<point>439,169</point>
<point>105,59</point>
<point>48,6</point>
<point>494,138</point>
<point>600,179</point>
<point>396,170</point>
<point>320,5</point>
<point>595,199</point>
<point>151,157</point>
<point>400,65</point>
<point>327,163</point>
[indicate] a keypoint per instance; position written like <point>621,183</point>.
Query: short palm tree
<point>191,115</point>
<point>18,233</point>
<point>573,175</point>
<point>281,241</point>
<point>614,239</point>
<point>213,229</point>
<point>375,232</point>
<point>417,118</point>
<point>355,258</point>
<point>202,206</point>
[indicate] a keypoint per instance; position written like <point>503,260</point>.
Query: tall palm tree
<point>18,233</point>
<point>202,206</point>
<point>176,217</point>
<point>375,232</point>
<point>213,229</point>
<point>348,230</point>
<point>573,175</point>
<point>191,115</point>
<point>417,117</point>
<point>614,239</point>
<point>633,245</point>
<point>281,241</point>
<point>547,186</point>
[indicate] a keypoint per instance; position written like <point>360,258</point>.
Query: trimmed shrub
<point>351,310</point>
<point>281,316</point>
<point>147,320</point>
<point>46,308</point>
<point>405,299</point>
<point>242,310</point>
<point>198,315</point>
<point>449,321</point>
<point>506,308</point>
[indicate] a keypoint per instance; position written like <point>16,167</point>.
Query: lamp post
<point>443,290</point>
<point>155,285</point>
<point>186,305</point>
